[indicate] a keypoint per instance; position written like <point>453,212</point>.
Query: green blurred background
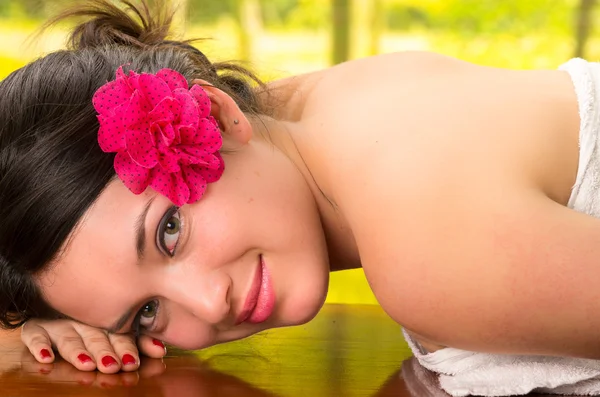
<point>277,38</point>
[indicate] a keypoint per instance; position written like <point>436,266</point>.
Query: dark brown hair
<point>51,167</point>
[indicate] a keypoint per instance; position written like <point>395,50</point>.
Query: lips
<point>260,301</point>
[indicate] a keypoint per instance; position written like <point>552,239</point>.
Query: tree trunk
<point>377,25</point>
<point>368,24</point>
<point>249,25</point>
<point>584,25</point>
<point>341,31</point>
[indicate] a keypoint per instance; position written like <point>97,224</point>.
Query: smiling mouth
<point>260,301</point>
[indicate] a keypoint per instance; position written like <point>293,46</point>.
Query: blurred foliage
<point>478,16</point>
<point>467,16</point>
<point>294,36</point>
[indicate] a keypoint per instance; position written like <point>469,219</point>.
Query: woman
<point>449,183</point>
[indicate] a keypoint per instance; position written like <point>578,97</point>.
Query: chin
<point>304,309</point>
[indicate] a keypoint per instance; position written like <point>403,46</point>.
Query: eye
<point>147,316</point>
<point>169,230</point>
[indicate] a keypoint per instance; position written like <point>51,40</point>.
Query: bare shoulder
<point>289,97</point>
<point>449,174</point>
<point>394,65</point>
<point>343,83</point>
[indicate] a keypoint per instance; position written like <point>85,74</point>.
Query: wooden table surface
<point>347,350</point>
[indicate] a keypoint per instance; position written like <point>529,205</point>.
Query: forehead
<point>99,258</point>
<point>109,223</point>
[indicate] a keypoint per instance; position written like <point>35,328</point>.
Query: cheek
<point>187,332</point>
<point>255,204</point>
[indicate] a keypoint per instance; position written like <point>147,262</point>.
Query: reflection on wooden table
<point>348,350</point>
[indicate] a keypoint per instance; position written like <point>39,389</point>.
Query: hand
<point>61,378</point>
<point>87,348</point>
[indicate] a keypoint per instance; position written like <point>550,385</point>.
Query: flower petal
<point>196,183</point>
<point>187,135</point>
<point>173,79</point>
<point>188,113</point>
<point>207,134</point>
<point>203,100</point>
<point>132,79</point>
<point>211,135</point>
<point>111,135</point>
<point>166,135</point>
<point>169,162</point>
<point>110,96</point>
<point>171,185</point>
<point>164,111</point>
<point>197,156</point>
<point>132,175</point>
<point>133,113</point>
<point>193,154</point>
<point>120,74</point>
<point>153,89</point>
<point>141,148</point>
<point>211,175</point>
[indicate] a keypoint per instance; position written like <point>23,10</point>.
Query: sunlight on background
<point>282,37</point>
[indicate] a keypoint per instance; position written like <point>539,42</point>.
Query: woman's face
<point>251,250</point>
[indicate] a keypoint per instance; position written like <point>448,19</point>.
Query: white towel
<point>585,195</point>
<point>464,373</point>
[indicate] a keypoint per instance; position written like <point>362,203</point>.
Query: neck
<point>288,137</point>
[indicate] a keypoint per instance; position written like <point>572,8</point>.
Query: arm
<point>520,276</point>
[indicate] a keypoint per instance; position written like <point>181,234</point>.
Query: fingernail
<point>128,359</point>
<point>158,343</point>
<point>107,361</point>
<point>84,358</point>
<point>45,353</point>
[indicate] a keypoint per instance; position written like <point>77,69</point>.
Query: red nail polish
<point>107,361</point>
<point>158,343</point>
<point>128,359</point>
<point>84,358</point>
<point>45,353</point>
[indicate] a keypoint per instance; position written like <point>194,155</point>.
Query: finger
<point>98,344</point>
<point>126,349</point>
<point>151,347</point>
<point>38,342</point>
<point>72,348</point>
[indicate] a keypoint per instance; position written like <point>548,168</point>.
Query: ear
<point>232,121</point>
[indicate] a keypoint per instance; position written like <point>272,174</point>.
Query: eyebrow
<point>140,246</point>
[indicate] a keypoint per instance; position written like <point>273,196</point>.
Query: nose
<point>207,298</point>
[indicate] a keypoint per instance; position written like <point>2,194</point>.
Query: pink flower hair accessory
<point>162,132</point>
